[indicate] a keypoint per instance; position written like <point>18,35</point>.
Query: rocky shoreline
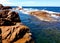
<point>11,28</point>
<point>46,16</point>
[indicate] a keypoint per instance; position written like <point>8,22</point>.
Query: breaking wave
<point>26,10</point>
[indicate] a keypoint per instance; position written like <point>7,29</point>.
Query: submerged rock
<point>46,16</point>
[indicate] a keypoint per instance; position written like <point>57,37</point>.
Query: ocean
<point>54,9</point>
<point>42,31</point>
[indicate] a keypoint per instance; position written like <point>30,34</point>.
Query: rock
<point>0,36</point>
<point>13,16</point>
<point>3,13</point>
<point>45,16</point>
<point>6,7</point>
<point>1,6</point>
<point>11,28</point>
<point>20,8</point>
<point>8,17</point>
<point>16,34</point>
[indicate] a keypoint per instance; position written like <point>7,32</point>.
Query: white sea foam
<point>54,16</point>
<point>26,11</point>
<point>50,11</point>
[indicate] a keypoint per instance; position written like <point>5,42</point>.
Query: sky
<point>30,2</point>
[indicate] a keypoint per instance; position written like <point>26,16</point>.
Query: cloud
<point>5,2</point>
<point>10,2</point>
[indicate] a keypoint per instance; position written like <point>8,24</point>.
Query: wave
<point>26,10</point>
<point>50,11</point>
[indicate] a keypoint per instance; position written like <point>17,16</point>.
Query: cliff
<point>11,28</point>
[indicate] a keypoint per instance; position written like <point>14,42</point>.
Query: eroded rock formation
<point>8,17</point>
<point>16,34</point>
<point>12,30</point>
<point>46,16</point>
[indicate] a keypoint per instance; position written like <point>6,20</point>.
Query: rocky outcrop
<point>8,17</point>
<point>1,6</point>
<point>16,34</point>
<point>12,30</point>
<point>45,16</point>
<point>4,7</point>
<point>42,15</point>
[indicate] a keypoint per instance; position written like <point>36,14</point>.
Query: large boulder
<point>16,34</point>
<point>12,30</point>
<point>8,17</point>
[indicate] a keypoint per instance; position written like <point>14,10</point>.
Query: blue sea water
<point>54,9</point>
<point>42,31</point>
<point>14,6</point>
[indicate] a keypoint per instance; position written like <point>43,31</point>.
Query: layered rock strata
<point>12,30</point>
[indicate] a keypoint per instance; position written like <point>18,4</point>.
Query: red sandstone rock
<point>45,16</point>
<point>42,15</point>
<point>16,34</point>
<point>11,28</point>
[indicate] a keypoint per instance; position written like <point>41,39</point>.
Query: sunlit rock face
<point>11,28</point>
<point>46,16</point>
<point>16,34</point>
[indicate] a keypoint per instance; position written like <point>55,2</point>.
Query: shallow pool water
<point>42,32</point>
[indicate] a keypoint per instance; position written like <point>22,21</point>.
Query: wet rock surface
<point>45,16</point>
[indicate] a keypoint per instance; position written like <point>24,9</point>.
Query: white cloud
<point>5,2</point>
